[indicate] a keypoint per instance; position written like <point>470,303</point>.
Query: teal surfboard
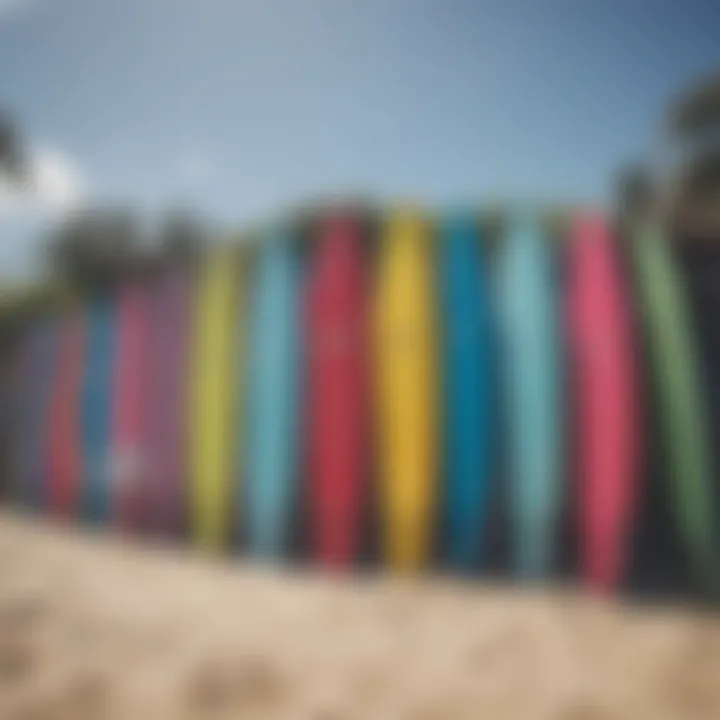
<point>96,410</point>
<point>272,419</point>
<point>531,348</point>
<point>468,389</point>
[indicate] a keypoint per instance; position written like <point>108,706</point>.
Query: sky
<point>243,108</point>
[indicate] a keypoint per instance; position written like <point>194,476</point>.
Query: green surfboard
<point>677,384</point>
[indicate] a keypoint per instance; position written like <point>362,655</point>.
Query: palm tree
<point>635,198</point>
<point>693,128</point>
<point>14,164</point>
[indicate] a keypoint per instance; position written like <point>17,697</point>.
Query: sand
<point>93,627</point>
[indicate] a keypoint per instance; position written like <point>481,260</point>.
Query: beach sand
<point>93,627</point>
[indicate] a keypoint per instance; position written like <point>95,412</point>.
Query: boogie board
<point>527,300</point>
<point>469,390</point>
<point>65,447</point>
<point>273,401</point>
<point>96,409</point>
<point>213,401</point>
<point>683,415</point>
<point>607,413</point>
<point>169,344</point>
<point>130,403</point>
<point>336,372</point>
<point>406,390</point>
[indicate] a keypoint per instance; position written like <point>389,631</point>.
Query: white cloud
<point>27,212</point>
<point>55,187</point>
<point>59,185</point>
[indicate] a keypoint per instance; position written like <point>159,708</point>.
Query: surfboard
<point>169,342</point>
<point>18,380</point>
<point>96,410</point>
<point>407,390</point>
<point>683,415</point>
<point>130,403</point>
<point>11,384</point>
<point>39,358</point>
<point>336,386</point>
<point>698,258</point>
<point>468,390</point>
<point>607,413</point>
<point>528,313</point>
<point>65,447</point>
<point>242,372</point>
<point>22,450</point>
<point>273,396</point>
<point>213,401</point>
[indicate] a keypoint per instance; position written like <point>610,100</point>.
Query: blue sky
<point>244,107</point>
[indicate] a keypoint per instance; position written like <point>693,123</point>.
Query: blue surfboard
<point>39,363</point>
<point>531,340</point>
<point>96,410</point>
<point>468,393</point>
<point>271,422</point>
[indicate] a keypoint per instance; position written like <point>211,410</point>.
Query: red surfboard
<point>65,455</point>
<point>606,387</point>
<point>336,344</point>
<point>129,407</point>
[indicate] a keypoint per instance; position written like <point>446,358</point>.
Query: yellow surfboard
<point>213,400</point>
<point>406,389</point>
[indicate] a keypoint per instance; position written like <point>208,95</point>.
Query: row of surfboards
<point>422,397</point>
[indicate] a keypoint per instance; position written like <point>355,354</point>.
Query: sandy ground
<point>96,628</point>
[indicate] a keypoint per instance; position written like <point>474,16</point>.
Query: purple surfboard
<point>168,406</point>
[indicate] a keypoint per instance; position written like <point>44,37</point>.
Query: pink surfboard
<point>130,402</point>
<point>607,408</point>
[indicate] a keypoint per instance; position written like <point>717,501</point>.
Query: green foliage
<point>90,251</point>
